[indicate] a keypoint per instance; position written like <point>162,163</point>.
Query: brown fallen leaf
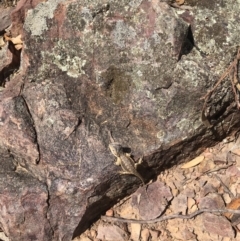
<point>206,166</point>
<point>17,40</point>
<point>2,42</point>
<point>193,162</point>
<point>109,213</point>
<point>135,231</point>
<point>236,152</point>
<point>180,2</point>
<point>234,205</point>
<point>6,37</point>
<point>18,43</point>
<point>18,46</point>
<point>219,162</point>
<point>238,86</point>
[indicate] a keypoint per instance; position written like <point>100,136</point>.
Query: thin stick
<point>232,68</point>
<point>223,76</point>
<point>234,79</point>
<point>226,188</point>
<point>161,219</point>
<point>110,136</point>
<point>233,87</point>
<point>182,7</point>
<point>207,172</point>
<point>217,169</point>
<point>230,125</point>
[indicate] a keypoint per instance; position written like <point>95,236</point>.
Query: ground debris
<point>151,202</point>
<point>111,232</point>
<point>217,225</point>
<point>183,204</point>
<point>135,231</point>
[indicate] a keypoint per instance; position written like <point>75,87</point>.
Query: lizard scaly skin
<point>125,161</point>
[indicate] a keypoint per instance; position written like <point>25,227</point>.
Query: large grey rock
<point>5,18</point>
<point>87,68</point>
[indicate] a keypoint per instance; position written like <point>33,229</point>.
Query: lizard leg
<point>139,162</point>
<point>123,172</point>
<point>118,162</point>
<point>129,173</point>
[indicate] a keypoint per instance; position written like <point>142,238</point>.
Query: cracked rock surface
<point>212,184</point>
<point>135,68</point>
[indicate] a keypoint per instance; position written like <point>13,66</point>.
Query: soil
<point>213,184</point>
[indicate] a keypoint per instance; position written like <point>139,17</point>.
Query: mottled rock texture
<point>5,19</point>
<point>135,68</point>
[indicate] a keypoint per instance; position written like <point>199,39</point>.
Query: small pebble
<point>145,234</point>
<point>154,234</point>
<point>191,202</point>
<point>226,198</point>
<point>93,233</point>
<point>109,213</point>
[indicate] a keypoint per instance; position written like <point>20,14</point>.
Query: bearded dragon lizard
<point>125,161</point>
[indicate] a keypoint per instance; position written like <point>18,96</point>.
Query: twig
<point>232,78</point>
<point>110,136</point>
<point>161,219</point>
<point>226,188</point>
<point>223,76</point>
<point>122,201</point>
<point>230,124</point>
<point>207,172</point>
<point>231,70</point>
<point>182,7</point>
<point>217,169</point>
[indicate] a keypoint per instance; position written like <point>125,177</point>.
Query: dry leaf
<point>235,205</point>
<point>2,42</point>
<point>109,213</point>
<point>135,231</point>
<point>238,86</point>
<point>18,46</point>
<point>206,166</point>
<point>219,162</point>
<point>193,162</point>
<point>236,152</point>
<point>6,37</point>
<point>180,2</point>
<point>17,40</point>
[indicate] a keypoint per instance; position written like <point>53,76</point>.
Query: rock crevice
<point>137,69</point>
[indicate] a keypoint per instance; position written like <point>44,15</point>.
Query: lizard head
<point>116,149</point>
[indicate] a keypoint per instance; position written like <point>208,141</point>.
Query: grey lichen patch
<point>78,17</point>
<point>138,82</point>
<point>218,28</point>
<point>183,123</point>
<point>123,33</point>
<point>73,66</point>
<point>152,76</point>
<point>135,3</point>
<point>204,3</point>
<point>165,136</point>
<point>192,75</point>
<point>64,59</point>
<point>36,20</point>
<point>184,126</point>
<point>161,135</point>
<point>214,37</point>
<point>8,3</point>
